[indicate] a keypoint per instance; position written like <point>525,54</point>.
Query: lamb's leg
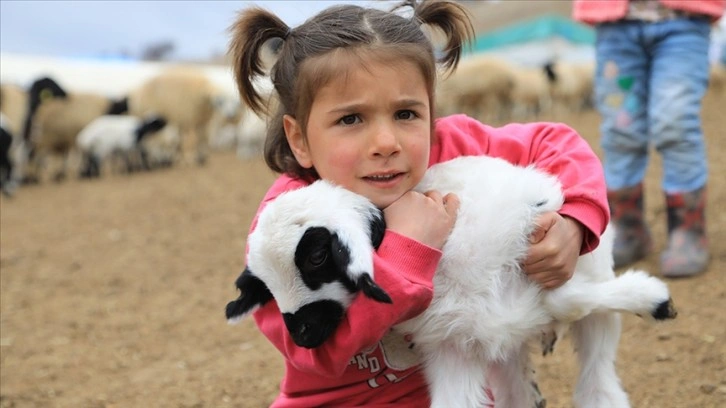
<point>202,145</point>
<point>633,291</point>
<point>455,380</point>
<point>551,335</point>
<point>513,382</point>
<point>595,338</point>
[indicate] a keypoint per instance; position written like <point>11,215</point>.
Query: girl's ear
<point>296,140</point>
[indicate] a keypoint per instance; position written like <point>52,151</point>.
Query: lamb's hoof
<point>665,310</point>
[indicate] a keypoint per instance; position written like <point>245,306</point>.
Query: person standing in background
<point>652,73</point>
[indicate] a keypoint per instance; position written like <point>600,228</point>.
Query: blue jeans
<point>650,80</point>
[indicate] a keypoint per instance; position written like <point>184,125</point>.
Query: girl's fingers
<point>434,195</point>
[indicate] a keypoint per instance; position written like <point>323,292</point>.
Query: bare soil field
<point>113,291</point>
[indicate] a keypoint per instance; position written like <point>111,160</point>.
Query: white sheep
<point>19,107</point>
<point>251,135</point>
<point>161,147</point>
<point>119,135</point>
<point>13,108</point>
<point>223,125</point>
<point>186,97</point>
<point>56,125</point>
<point>530,94</point>
<point>571,85</point>
<point>14,105</point>
<point>55,117</point>
<point>475,332</point>
<point>252,127</point>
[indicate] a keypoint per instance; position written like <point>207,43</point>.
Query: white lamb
<point>475,333</point>
<point>118,135</point>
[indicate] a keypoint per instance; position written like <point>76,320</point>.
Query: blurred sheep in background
<point>480,87</point>
<point>118,136</point>
<point>571,85</point>
<point>225,121</point>
<point>54,126</point>
<point>13,107</point>
<point>203,110</point>
<point>6,164</point>
<point>251,135</point>
<point>186,98</point>
<point>530,94</point>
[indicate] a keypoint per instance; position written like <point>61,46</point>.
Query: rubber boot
<point>632,236</point>
<point>687,252</point>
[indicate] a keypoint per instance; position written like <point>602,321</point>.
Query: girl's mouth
<point>382,177</point>
<point>384,181</point>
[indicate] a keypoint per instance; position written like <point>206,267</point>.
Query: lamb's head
<point>312,251</point>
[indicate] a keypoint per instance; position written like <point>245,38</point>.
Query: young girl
<point>355,89</point>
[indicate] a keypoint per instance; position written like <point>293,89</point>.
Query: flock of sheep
<point>174,115</point>
<point>494,90</point>
<point>181,112</point>
<point>44,127</point>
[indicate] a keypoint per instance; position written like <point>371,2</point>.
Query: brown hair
<point>305,64</point>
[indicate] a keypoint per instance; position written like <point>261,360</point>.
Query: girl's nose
<point>384,141</point>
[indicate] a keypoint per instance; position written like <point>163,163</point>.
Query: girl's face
<point>368,131</point>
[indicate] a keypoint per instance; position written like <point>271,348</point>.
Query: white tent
<point>113,78</point>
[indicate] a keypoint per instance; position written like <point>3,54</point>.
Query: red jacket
<point>363,363</point>
<point>600,11</point>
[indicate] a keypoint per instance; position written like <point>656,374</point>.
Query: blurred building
<point>533,32</point>
<point>539,40</point>
<point>530,33</point>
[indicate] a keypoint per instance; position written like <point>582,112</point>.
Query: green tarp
<point>540,28</point>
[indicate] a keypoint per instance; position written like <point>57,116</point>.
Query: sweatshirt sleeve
<point>552,147</point>
<point>403,267</point>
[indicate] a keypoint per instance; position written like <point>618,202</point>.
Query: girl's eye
<point>318,257</point>
<point>406,114</point>
<point>349,120</point>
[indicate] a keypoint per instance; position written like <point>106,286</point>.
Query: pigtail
<point>250,33</point>
<point>452,19</point>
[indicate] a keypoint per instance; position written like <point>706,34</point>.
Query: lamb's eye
<point>318,257</point>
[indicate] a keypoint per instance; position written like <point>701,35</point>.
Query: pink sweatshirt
<point>363,363</point>
<point>600,11</point>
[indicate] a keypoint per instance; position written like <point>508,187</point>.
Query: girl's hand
<point>427,218</point>
<point>555,247</point>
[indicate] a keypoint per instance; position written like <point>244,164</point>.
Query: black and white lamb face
<point>312,251</point>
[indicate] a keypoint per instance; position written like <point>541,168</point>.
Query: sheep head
<point>312,251</point>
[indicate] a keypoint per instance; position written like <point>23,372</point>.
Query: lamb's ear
<point>358,270</point>
<point>378,228</point>
<point>254,293</point>
<point>373,291</point>
<point>365,283</point>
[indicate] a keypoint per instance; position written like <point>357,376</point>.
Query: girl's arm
<point>552,147</point>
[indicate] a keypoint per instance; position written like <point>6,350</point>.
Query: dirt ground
<point>113,294</point>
